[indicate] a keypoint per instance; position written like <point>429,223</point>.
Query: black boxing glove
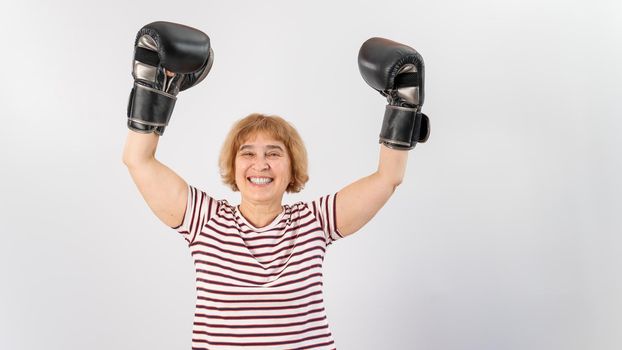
<point>162,47</point>
<point>397,72</point>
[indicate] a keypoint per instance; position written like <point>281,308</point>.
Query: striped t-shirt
<point>259,288</point>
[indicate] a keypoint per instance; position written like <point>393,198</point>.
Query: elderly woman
<point>259,263</point>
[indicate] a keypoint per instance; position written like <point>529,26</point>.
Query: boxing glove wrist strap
<point>401,127</point>
<point>150,106</point>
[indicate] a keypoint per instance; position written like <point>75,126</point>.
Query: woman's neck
<point>260,215</point>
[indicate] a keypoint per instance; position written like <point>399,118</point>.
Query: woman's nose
<point>260,167</point>
<point>261,163</point>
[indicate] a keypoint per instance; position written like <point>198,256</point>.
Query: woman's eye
<point>252,154</point>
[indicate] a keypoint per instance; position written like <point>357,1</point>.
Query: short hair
<point>275,127</point>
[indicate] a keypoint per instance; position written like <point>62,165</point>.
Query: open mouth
<point>260,181</point>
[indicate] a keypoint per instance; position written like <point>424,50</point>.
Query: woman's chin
<point>260,194</point>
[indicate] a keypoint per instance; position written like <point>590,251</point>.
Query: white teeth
<point>257,180</point>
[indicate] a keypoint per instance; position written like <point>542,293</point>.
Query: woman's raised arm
<point>396,71</point>
<point>168,58</point>
<point>360,201</point>
<point>164,191</point>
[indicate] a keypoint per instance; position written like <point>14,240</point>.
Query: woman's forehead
<point>261,139</point>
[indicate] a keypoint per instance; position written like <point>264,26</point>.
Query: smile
<point>259,181</point>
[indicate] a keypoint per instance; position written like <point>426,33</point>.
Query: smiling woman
<point>258,264</point>
<point>263,157</point>
<point>289,143</point>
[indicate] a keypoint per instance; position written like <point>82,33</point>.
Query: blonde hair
<point>275,127</point>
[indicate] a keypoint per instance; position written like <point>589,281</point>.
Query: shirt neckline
<point>264,228</point>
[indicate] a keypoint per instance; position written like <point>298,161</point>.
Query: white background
<point>505,233</point>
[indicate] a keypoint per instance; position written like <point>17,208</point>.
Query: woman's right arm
<point>165,192</point>
<point>168,58</point>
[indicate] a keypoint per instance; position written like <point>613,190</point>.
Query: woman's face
<point>265,158</point>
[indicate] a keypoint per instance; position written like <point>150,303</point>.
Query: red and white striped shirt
<point>259,288</point>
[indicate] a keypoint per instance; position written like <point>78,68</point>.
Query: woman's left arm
<point>359,202</point>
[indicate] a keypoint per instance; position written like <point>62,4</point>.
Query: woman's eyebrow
<point>267,146</point>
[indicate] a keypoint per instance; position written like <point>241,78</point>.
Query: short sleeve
<point>324,209</point>
<point>199,208</point>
